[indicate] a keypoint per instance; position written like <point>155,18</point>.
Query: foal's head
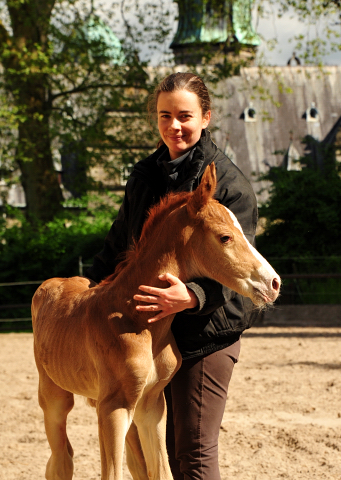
<point>215,245</point>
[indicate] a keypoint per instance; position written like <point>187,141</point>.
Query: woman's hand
<point>166,301</point>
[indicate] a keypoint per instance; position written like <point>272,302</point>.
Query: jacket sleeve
<point>234,192</point>
<point>124,230</point>
<point>115,244</point>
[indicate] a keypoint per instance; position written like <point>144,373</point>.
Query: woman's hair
<point>182,81</point>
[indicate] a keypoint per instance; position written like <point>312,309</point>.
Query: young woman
<point>209,317</point>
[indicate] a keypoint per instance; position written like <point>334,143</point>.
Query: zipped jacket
<point>222,314</point>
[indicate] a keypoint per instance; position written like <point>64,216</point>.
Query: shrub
<point>39,252</point>
<point>303,214</point>
<point>302,232</point>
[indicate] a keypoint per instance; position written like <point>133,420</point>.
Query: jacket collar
<point>148,171</point>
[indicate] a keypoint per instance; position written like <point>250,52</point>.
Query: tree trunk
<point>38,177</point>
<point>26,76</point>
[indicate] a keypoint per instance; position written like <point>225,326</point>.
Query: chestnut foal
<point>90,340</point>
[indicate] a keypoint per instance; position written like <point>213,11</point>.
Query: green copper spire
<point>102,40</point>
<point>96,39</point>
<point>215,22</point>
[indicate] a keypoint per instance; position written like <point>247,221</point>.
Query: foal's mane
<point>156,216</point>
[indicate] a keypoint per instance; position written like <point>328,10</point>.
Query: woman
<point>209,317</point>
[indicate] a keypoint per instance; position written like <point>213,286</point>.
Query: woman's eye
<point>225,239</point>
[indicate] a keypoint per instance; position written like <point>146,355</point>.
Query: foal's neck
<point>146,272</point>
<point>162,251</point>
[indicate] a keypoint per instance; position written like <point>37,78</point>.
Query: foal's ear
<point>204,192</point>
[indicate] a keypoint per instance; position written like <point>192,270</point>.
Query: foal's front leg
<point>150,417</point>
<point>113,424</point>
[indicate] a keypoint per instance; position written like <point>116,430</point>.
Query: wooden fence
<point>289,277</point>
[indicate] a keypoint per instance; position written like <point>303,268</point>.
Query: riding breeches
<point>196,399</point>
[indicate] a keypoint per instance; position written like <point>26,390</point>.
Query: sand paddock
<point>282,419</point>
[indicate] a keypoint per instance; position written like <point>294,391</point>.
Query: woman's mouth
<point>176,138</point>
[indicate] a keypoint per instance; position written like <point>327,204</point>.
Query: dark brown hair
<point>182,81</point>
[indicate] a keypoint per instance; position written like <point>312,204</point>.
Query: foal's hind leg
<point>134,455</point>
<point>56,404</point>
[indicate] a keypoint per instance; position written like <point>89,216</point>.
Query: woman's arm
<point>115,244</point>
<point>126,228</point>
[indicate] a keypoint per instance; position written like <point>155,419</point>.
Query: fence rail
<point>311,275</point>
<point>11,284</point>
<point>290,276</point>
<point>18,305</point>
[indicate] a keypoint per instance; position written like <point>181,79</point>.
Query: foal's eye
<point>225,239</point>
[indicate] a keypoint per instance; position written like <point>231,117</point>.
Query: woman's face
<point>180,120</point>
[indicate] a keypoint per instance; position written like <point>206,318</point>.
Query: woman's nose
<point>175,124</point>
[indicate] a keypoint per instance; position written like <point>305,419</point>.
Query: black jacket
<point>222,314</point>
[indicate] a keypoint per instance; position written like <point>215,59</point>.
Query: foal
<point>90,340</point>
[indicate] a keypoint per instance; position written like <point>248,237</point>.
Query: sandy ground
<point>282,418</point>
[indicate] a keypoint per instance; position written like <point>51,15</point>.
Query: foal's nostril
<point>275,284</point>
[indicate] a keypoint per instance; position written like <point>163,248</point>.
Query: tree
<point>63,86</point>
<point>61,78</point>
<point>322,19</point>
<point>24,58</point>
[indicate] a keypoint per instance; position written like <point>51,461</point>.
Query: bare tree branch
<point>85,88</point>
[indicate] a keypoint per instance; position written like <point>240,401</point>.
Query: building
<point>263,117</point>
<point>269,117</point>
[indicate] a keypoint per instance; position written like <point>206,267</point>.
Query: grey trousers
<point>196,399</point>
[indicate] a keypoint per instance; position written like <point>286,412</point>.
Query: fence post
<point>80,266</point>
